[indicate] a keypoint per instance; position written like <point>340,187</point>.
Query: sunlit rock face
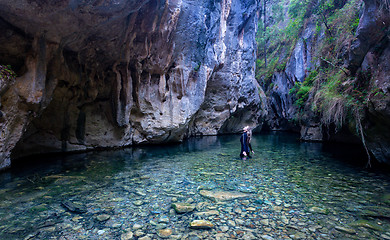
<point>116,73</point>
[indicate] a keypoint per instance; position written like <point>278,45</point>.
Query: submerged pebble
<point>201,224</point>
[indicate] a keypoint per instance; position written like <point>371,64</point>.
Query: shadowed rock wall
<point>367,59</point>
<point>116,73</point>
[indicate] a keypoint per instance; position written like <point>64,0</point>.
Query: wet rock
<point>231,223</point>
<point>31,236</point>
<point>201,224</point>
<point>127,236</point>
<point>221,236</point>
<point>172,212</point>
<point>386,198</point>
<point>161,226</point>
<point>163,219</point>
<point>208,213</point>
<point>267,237</point>
<point>250,189</point>
<point>39,208</point>
<point>318,210</point>
<point>285,220</point>
<point>145,238</point>
<point>315,228</point>
<point>224,228</point>
<point>137,226</point>
<point>194,237</point>
<point>138,203</point>
<point>240,222</point>
<point>74,207</point>
<point>76,218</point>
<point>250,209</point>
<point>140,192</point>
<point>102,217</point>
<point>238,210</point>
<point>345,230</point>
<point>222,195</point>
<point>277,208</point>
<point>183,207</point>
<point>207,187</point>
<point>139,233</point>
<point>264,222</point>
<point>298,235</point>
<point>248,236</point>
<point>366,224</point>
<point>116,225</point>
<point>376,211</point>
<point>385,236</point>
<point>164,233</point>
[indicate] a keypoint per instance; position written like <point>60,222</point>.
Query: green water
<point>293,191</point>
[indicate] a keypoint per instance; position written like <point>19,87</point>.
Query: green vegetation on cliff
<point>328,88</point>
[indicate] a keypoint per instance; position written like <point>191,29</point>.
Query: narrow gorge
<point>107,74</point>
<point>328,71</point>
<point>117,73</point>
<point>190,120</point>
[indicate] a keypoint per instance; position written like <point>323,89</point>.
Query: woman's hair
<point>249,134</point>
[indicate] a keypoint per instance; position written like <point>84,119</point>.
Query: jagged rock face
<point>372,30</point>
<point>369,56</point>
<point>117,73</point>
<point>282,109</point>
<point>232,92</point>
<point>367,59</point>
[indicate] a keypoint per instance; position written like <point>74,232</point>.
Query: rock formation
<point>367,59</point>
<point>118,73</point>
<point>370,58</point>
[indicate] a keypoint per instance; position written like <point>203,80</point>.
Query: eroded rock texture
<point>283,111</point>
<point>370,58</point>
<point>367,60</point>
<point>115,73</point>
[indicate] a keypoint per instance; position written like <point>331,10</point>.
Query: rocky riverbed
<point>198,190</point>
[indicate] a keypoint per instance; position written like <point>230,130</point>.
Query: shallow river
<point>288,190</point>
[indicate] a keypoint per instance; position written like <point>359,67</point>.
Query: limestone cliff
<point>95,74</point>
<point>356,94</point>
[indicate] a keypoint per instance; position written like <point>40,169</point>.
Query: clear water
<point>295,191</point>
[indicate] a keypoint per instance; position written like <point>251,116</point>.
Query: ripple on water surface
<point>198,190</point>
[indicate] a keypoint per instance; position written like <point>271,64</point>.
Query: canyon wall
<point>369,60</point>
<point>103,74</point>
<point>366,64</point>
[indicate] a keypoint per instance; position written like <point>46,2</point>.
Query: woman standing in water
<point>246,147</point>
